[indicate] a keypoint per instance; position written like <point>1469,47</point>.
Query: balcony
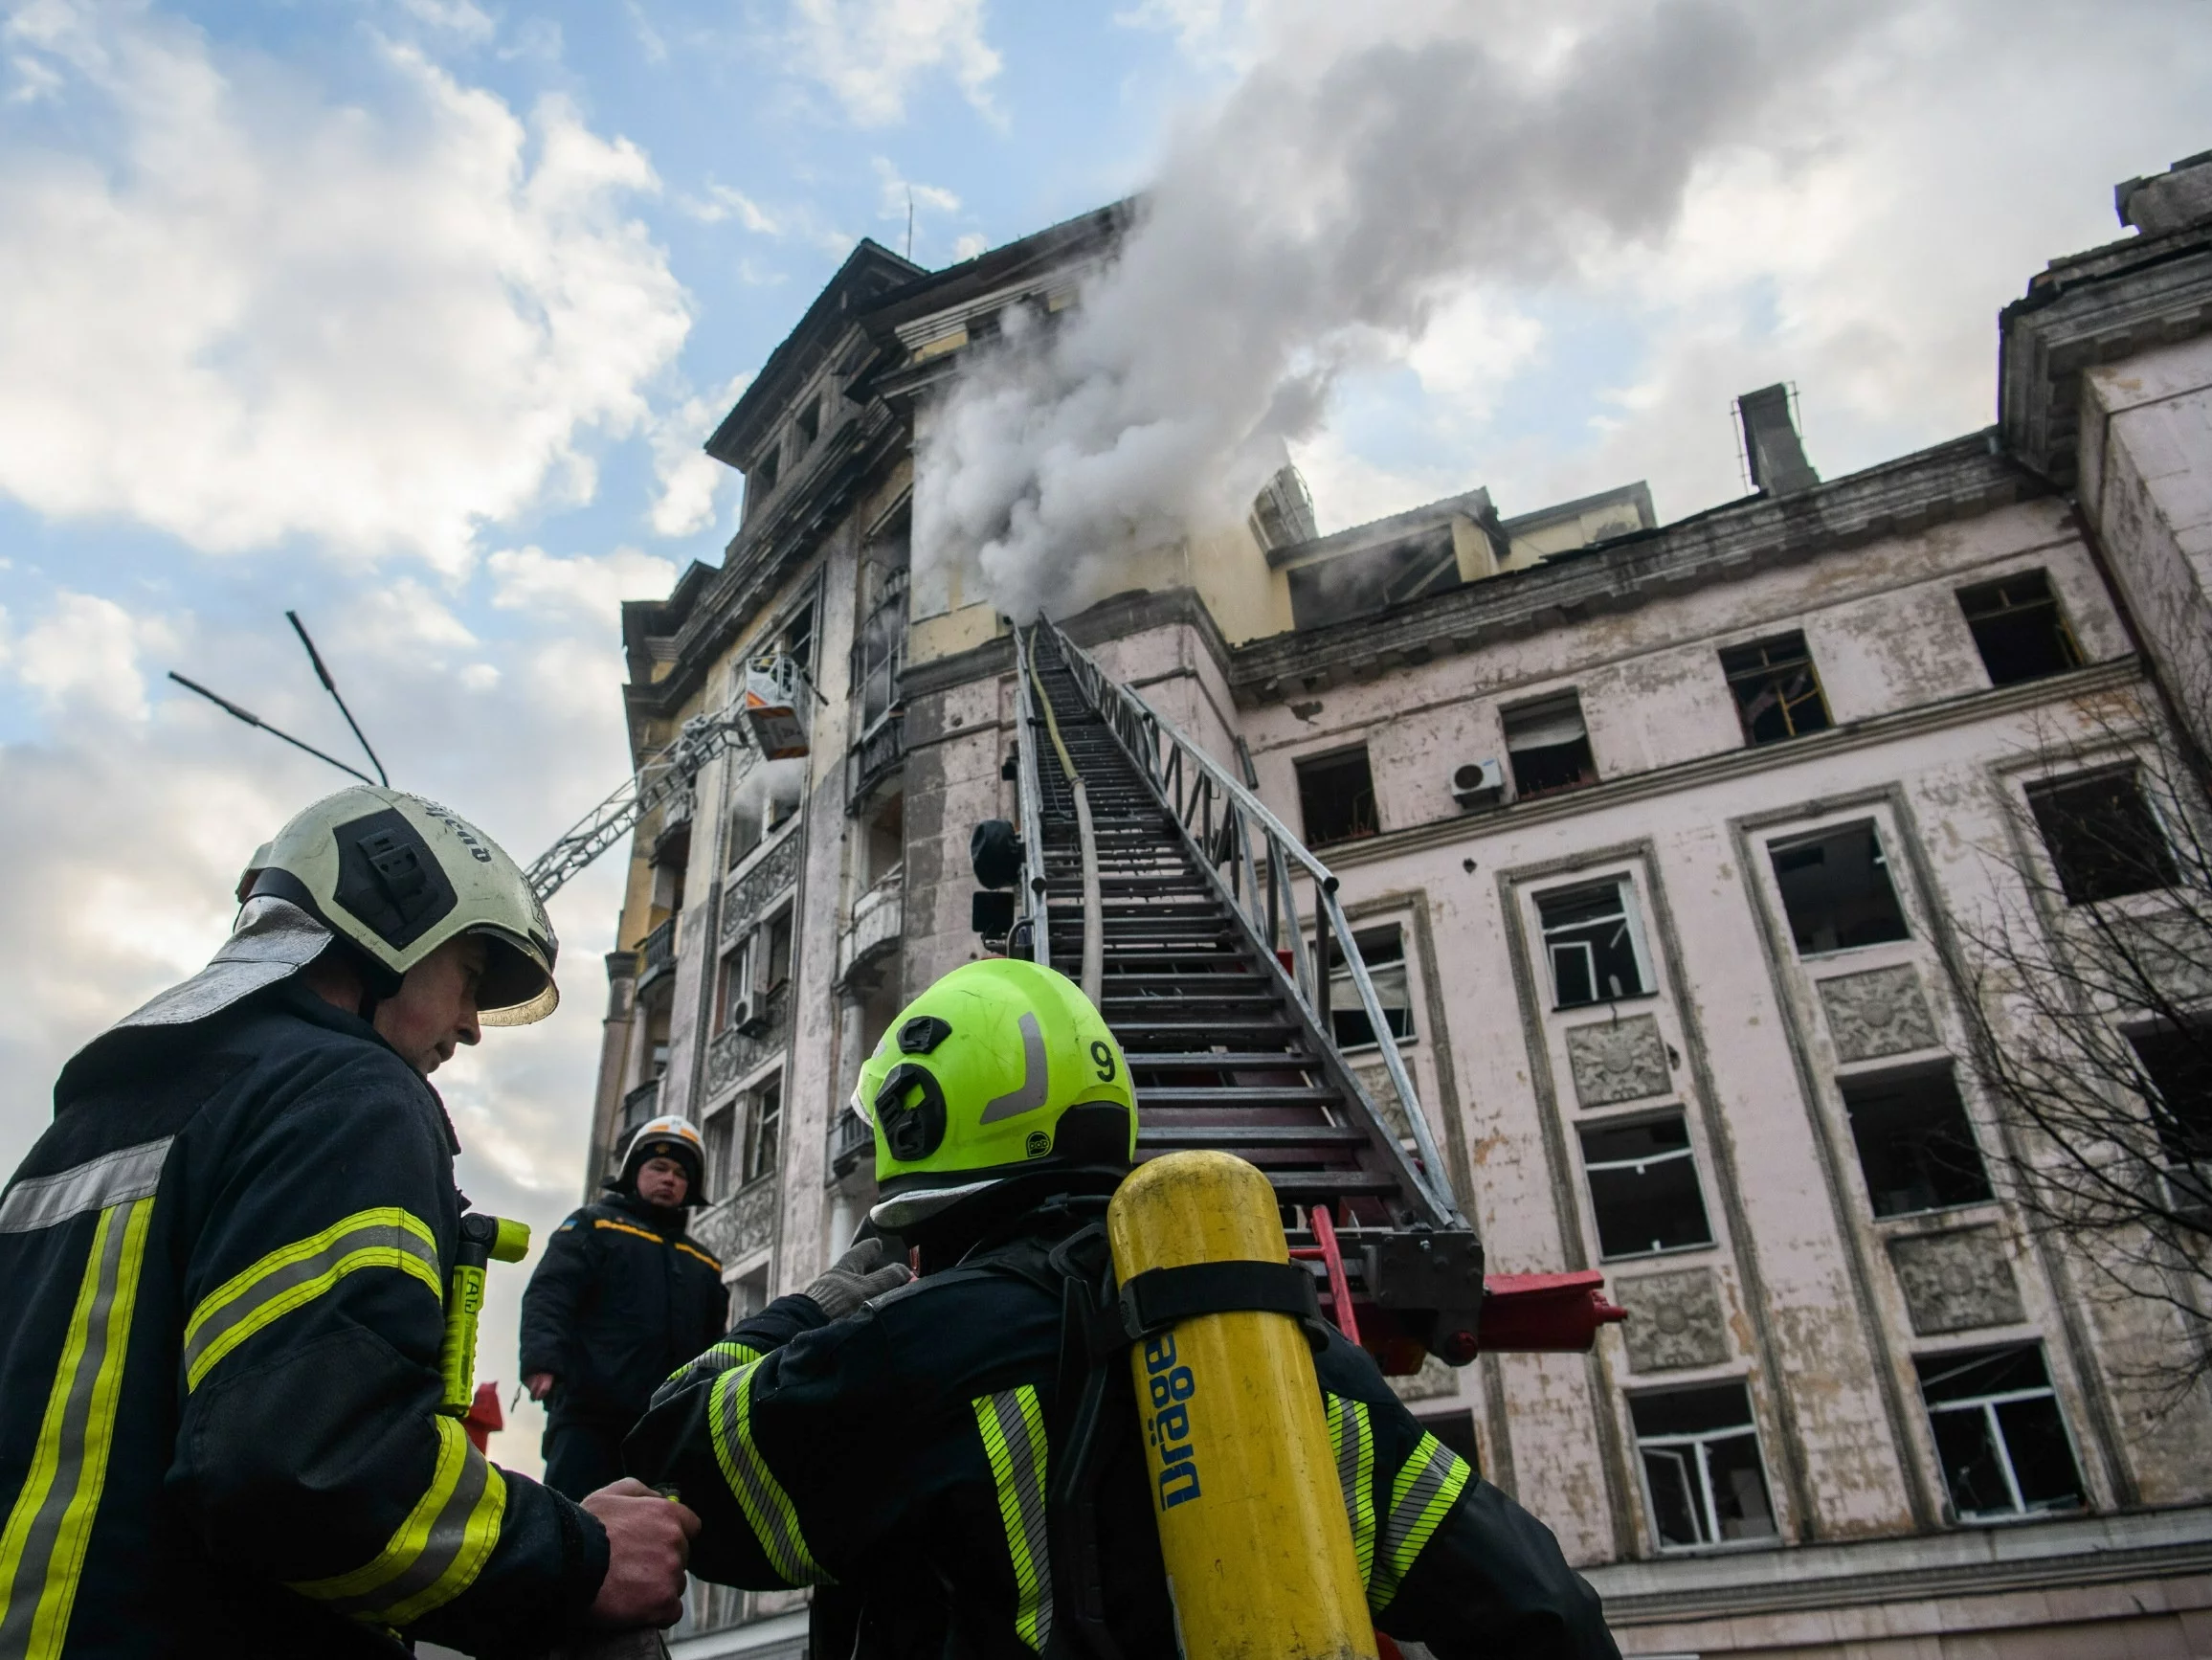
<point>659,956</point>
<point>873,759</point>
<point>877,925</point>
<point>640,1105</point>
<point>852,1140</point>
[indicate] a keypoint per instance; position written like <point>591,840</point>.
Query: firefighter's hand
<point>540,1385</point>
<point>648,1543</point>
<point>855,1277</point>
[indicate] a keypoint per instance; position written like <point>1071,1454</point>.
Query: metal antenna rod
<point>254,720</point>
<point>331,687</point>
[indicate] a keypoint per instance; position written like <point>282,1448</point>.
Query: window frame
<point>1686,1154</point>
<point>1745,675</point>
<point>1632,920</point>
<point>1698,1441</point>
<point>1343,996</point>
<point>1876,1079</point>
<point>1778,846</point>
<point>2061,629</point>
<point>1303,766</point>
<point>1553,706</point>
<point>2048,786</point>
<point>751,1168</point>
<point>1993,1429</point>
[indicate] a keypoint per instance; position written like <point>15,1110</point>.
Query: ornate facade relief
<point>741,1224</point>
<point>1674,1320</point>
<point>1956,1282</point>
<point>1880,1012</point>
<point>1617,1061</point>
<point>778,869</point>
<point>733,1053</point>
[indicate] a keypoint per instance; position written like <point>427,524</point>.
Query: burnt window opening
<point>1776,692</point>
<point>760,482</point>
<point>1336,799</point>
<point>2177,1066</point>
<point>1593,942</point>
<point>1383,951</point>
<point>880,644</point>
<point>1702,1472</point>
<point>883,842</point>
<point>764,1131</point>
<point>1836,890</point>
<point>721,1143</point>
<point>2018,628</point>
<point>2102,836</point>
<point>1325,591</point>
<point>1644,1188</point>
<point>1549,747</point>
<point>776,967</point>
<point>1916,1147</point>
<point>1999,1435</point>
<point>795,638</point>
<point>808,423</point>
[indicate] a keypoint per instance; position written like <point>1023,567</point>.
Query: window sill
<point>1937,1218</point>
<point>1682,1250</point>
<point>1722,1548</point>
<point>2020,1517</point>
<point>1604,1003</point>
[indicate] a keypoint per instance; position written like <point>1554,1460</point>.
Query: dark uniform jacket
<point>222,1275</point>
<point>620,1300</point>
<point>898,1454</point>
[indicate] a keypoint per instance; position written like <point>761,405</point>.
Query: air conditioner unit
<point>750,1016</point>
<point>1479,784</point>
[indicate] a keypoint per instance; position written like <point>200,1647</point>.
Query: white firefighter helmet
<point>668,1136</point>
<point>395,877</point>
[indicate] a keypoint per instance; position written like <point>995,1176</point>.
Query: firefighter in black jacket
<point>620,1300</point>
<point>224,1275</point>
<point>905,1455</point>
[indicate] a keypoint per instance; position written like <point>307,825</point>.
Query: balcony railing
<point>879,921</point>
<point>851,1140</point>
<point>640,1105</point>
<point>875,758</point>
<point>659,954</point>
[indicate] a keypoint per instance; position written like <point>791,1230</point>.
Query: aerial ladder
<point>1212,942</point>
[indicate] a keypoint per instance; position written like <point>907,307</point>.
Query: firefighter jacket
<point>905,1451</point>
<point>619,1300</point>
<point>222,1301</point>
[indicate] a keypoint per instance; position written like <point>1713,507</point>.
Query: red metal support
<point>1332,1259</point>
<point>1546,1313</point>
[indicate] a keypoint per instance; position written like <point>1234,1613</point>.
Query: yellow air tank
<point>1252,1526</point>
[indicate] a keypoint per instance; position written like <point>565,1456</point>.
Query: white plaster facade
<point>1824,1301</point>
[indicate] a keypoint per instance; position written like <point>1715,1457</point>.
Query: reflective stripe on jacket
<point>903,1454</point>
<point>221,1307</point>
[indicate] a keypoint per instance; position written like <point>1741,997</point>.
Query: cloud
<point>870,53</point>
<point>690,482</point>
<point>968,246</point>
<point>261,315</point>
<point>720,202</point>
<point>590,589</point>
<point>82,657</point>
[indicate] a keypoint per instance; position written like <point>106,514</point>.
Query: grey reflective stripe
<point>1014,1439</point>
<point>112,1179</point>
<point>42,1547</point>
<point>719,1359</point>
<point>290,1277</point>
<point>441,1548</point>
<point>1036,1078</point>
<point>1427,1485</point>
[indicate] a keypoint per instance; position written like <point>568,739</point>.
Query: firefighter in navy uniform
<point>900,1443</point>
<point>223,1293</point>
<point>619,1300</point>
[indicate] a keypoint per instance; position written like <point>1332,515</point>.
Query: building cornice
<point>1708,770</point>
<point>1962,479</point>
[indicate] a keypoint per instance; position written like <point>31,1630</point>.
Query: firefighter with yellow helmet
<point>902,1446</point>
<point>236,1298</point>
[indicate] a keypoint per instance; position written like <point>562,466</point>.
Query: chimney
<point>1771,444</point>
<point>2180,195</point>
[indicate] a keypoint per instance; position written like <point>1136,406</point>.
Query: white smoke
<point>1370,164</point>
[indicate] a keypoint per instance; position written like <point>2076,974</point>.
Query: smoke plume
<point>1362,173</point>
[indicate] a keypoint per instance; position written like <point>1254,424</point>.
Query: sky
<point>412,315</point>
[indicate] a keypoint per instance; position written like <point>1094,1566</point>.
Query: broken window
<point>1915,1146</point>
<point>779,953</point>
<point>2179,1066</point>
<point>808,423</point>
<point>762,479</point>
<point>879,645</point>
<point>721,1140</point>
<point>1383,951</point>
<point>747,823</point>
<point>1325,591</point>
<point>795,638</point>
<point>2018,628</point>
<point>1836,890</point>
<point>1778,695</point>
<point>1336,797</point>
<point>1644,1188</point>
<point>883,844</point>
<point>1999,1435</point>
<point>2102,836</point>
<point>1595,943</point>
<point>1702,1470</point>
<point>1549,746</point>
<point>764,1131</point>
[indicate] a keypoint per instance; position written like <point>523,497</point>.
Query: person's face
<point>662,1181</point>
<point>435,1010</point>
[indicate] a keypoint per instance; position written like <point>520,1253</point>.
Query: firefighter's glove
<point>855,1277</point>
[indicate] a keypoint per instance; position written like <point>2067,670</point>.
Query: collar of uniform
<point>662,1219</point>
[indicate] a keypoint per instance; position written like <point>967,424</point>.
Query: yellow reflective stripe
<point>384,1237</point>
<point>1428,1484</point>
<point>768,1509</point>
<point>1013,1429</point>
<point>436,1552</point>
<point>625,1227</point>
<point>693,1250</point>
<point>720,1357</point>
<point>1351,1440</point>
<point>43,1544</point>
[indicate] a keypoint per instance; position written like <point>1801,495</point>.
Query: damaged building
<point>1650,834</point>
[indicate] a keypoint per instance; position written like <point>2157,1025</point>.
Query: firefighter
<point>223,1293</point>
<point>620,1300</point>
<point>905,1454</point>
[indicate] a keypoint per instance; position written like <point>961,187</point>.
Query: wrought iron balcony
<point>640,1105</point>
<point>878,924</point>
<point>881,753</point>
<point>660,955</point>
<point>851,1140</point>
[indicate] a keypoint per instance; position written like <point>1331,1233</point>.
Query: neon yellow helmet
<point>1000,1068</point>
<point>396,877</point>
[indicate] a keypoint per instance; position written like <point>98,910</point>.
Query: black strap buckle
<point>1162,1297</point>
